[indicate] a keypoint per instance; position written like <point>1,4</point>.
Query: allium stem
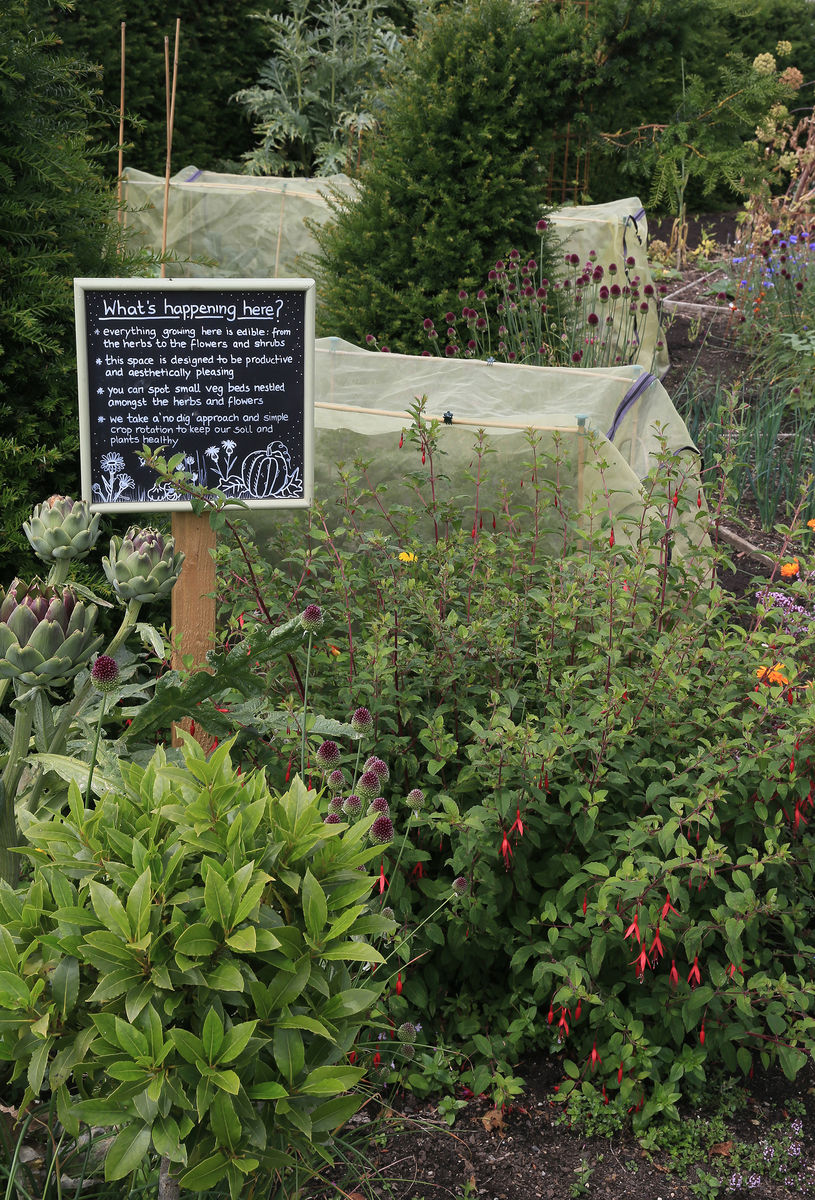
<point>95,750</point>
<point>23,721</point>
<point>305,709</point>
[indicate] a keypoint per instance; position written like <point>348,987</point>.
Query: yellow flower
<point>790,569</point>
<point>407,557</point>
<point>772,674</point>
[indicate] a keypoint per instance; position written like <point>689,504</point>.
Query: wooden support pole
<point>193,597</point>
<point>119,212</point>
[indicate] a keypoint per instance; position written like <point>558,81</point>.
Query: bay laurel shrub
<point>187,966</point>
<point>459,168</point>
<point>614,753</point>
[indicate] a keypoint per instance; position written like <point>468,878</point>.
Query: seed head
<point>381,832</point>
<point>362,722</point>
<point>460,886</point>
<point>335,805</point>
<point>378,805</point>
<point>105,673</point>
<point>379,768</point>
<point>336,780</point>
<point>368,785</point>
<point>352,806</point>
<point>415,799</point>
<point>311,618</point>
<point>331,819</point>
<point>406,1032</point>
<point>327,756</point>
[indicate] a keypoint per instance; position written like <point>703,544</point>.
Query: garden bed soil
<point>529,1152</point>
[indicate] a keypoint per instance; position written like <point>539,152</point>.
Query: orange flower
<point>772,674</point>
<point>790,569</point>
<point>811,523</point>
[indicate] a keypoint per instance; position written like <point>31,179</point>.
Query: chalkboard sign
<point>220,370</point>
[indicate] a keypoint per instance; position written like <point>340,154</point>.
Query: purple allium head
<point>612,268</point>
<point>460,885</point>
<point>311,618</point>
<point>593,319</point>
<point>449,318</point>
<point>370,339</point>
<point>105,673</point>
<point>381,832</point>
<point>415,799</point>
<point>368,785</point>
<point>597,274</point>
<point>630,261</point>
<point>378,805</point>
<point>335,804</point>
<point>576,356</point>
<point>648,290</point>
<point>451,351</point>
<point>379,768</point>
<point>428,324</point>
<point>327,756</point>
<point>615,290</point>
<point>336,780</point>
<point>362,721</point>
<point>541,226</point>
<point>463,295</point>
<point>492,276</point>
<point>406,1032</point>
<point>332,819</point>
<point>603,294</point>
<point>514,255</point>
<point>352,806</point>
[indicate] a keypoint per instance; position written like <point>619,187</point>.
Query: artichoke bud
<point>61,528</point>
<point>46,633</point>
<point>143,565</point>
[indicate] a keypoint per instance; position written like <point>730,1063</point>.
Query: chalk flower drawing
<point>118,483</point>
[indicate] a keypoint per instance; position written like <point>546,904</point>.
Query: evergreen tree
<point>57,221</point>
<point>457,177</point>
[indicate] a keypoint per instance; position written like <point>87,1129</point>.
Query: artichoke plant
<point>61,528</point>
<point>143,565</point>
<point>46,633</point>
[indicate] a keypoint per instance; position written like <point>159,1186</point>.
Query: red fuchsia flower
<point>605,1096</point>
<point>641,962</point>
<point>611,538</point>
<point>656,946</point>
<point>563,1023</point>
<point>517,823</point>
<point>634,927</point>
<point>399,984</point>
<point>578,1011</point>
<point>594,1058</point>
<point>620,1073</point>
<point>668,907</point>
<point>694,975</point>
<point>585,902</point>
<point>383,883</point>
<point>674,974</point>
<point>506,850</point>
<point>550,1016</point>
<point>702,1035</point>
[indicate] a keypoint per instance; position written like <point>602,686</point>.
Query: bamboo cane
<point>119,212</point>
<point>170,97</point>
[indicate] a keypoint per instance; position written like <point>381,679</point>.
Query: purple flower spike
<point>362,721</point>
<point>381,831</point>
<point>105,673</point>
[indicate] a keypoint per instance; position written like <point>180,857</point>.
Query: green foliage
<point>220,45</point>
<point>640,49</point>
<point>311,99</point>
<point>457,174</point>
<point>56,222</point>
<point>627,801</point>
<point>184,965</point>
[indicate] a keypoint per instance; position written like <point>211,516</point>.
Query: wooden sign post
<point>218,370</point>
